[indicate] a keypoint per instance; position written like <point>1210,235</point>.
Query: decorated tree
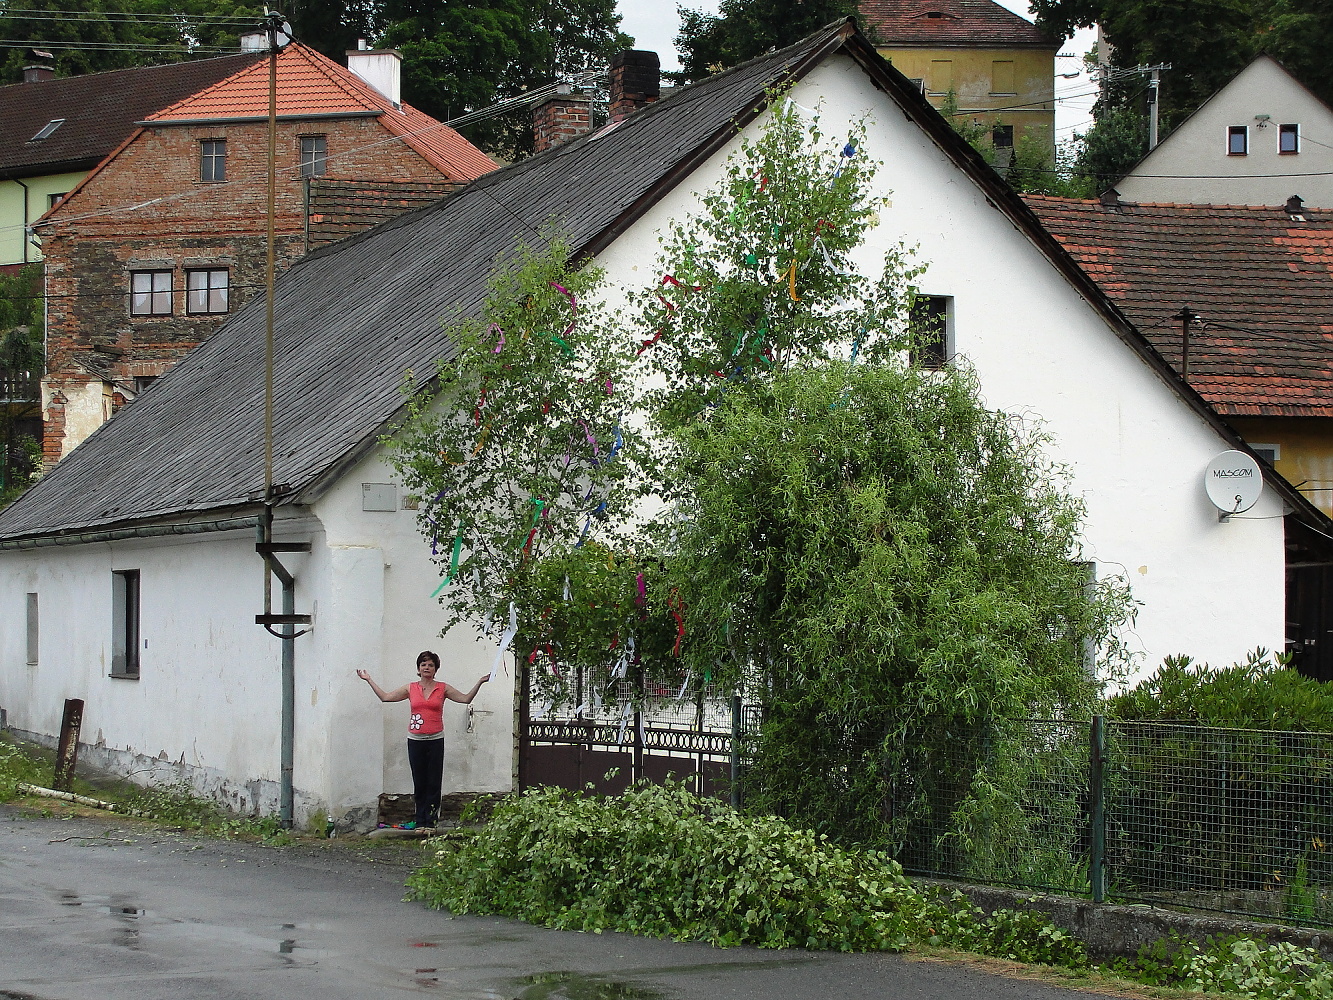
<point>529,472</point>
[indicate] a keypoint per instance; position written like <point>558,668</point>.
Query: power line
<point>14,43</point>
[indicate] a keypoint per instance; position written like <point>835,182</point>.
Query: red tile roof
<point>979,23</point>
<point>310,84</point>
<point>1261,280</point>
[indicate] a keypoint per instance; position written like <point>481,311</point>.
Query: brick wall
<point>148,210</point>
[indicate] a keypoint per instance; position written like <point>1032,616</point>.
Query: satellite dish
<point>1233,481</point>
<point>283,35</point>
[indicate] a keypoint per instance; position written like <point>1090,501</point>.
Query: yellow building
<point>998,67</point>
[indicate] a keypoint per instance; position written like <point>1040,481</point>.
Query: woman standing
<point>425,731</point>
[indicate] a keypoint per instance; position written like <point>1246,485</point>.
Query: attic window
<point>1288,139</point>
<point>47,129</point>
<point>1238,140</point>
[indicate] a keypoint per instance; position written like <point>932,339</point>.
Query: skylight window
<point>47,129</point>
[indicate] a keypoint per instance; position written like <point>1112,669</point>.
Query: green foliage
<point>21,366</point>
<point>661,861</point>
<point>107,36</point>
<point>743,29</point>
<point>1261,693</point>
<point>18,767</point>
<point>1117,140</point>
<point>1235,965</point>
<point>1207,42</point>
<point>462,57</point>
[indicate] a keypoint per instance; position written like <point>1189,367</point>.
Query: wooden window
<point>1002,136</point>
<point>1238,140</point>
<point>206,291</point>
<point>150,293</point>
<point>213,160</point>
<point>929,329</point>
<point>1288,139</point>
<point>1002,77</point>
<point>314,153</point>
<point>32,630</point>
<point>125,623</point>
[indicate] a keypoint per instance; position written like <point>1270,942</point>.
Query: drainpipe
<point>287,622</point>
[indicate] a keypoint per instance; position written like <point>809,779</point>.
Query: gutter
<point>144,531</point>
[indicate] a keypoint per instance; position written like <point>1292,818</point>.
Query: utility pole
<point>1154,85</point>
<point>1154,74</point>
<point>287,619</point>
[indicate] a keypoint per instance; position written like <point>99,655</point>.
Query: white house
<point>154,515</point>
<point>1259,140</point>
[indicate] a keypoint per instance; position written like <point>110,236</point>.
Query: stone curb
<point>1115,930</point>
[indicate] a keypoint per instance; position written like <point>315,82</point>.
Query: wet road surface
<point>94,911</point>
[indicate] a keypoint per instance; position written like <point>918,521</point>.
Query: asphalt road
<point>90,910</point>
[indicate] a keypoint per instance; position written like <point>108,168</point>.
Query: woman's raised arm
<point>398,694</point>
<point>453,695</point>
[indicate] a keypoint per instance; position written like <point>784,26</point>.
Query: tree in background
<point>457,58</point>
<point>743,29</point>
<point>461,58</point>
<point>1207,42</point>
<point>20,372</point>
<point>105,36</point>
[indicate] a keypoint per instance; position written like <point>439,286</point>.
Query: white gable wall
<point>1135,449</point>
<point>1191,165</point>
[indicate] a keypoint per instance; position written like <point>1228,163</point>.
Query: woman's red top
<point>427,711</point>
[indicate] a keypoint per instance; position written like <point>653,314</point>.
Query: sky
<point>654,24</point>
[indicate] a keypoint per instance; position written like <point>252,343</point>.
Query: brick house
<point>166,238</point>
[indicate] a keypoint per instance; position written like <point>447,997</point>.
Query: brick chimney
<point>636,82</point>
<point>565,116</point>
<point>37,72</point>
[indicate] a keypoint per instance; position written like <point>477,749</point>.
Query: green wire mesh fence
<point>1229,820</point>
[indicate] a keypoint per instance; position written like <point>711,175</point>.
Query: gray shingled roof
<point>100,111</point>
<point>353,318</point>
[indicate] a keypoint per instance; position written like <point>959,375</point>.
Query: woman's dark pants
<point>427,760</point>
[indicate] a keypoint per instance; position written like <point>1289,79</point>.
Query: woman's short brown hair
<point>425,655</point>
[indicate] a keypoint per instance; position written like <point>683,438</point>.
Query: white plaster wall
<point>1191,165</point>
<point>1135,450</point>
<point>395,558</point>
<point>206,705</point>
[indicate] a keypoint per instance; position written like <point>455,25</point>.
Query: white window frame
<point>1288,128</point>
<point>313,161</point>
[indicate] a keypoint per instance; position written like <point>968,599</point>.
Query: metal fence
<point>604,741</point>
<point>1232,820</point>
<point>1222,820</point>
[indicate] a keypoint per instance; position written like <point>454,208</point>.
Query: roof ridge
<point>132,70</point>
